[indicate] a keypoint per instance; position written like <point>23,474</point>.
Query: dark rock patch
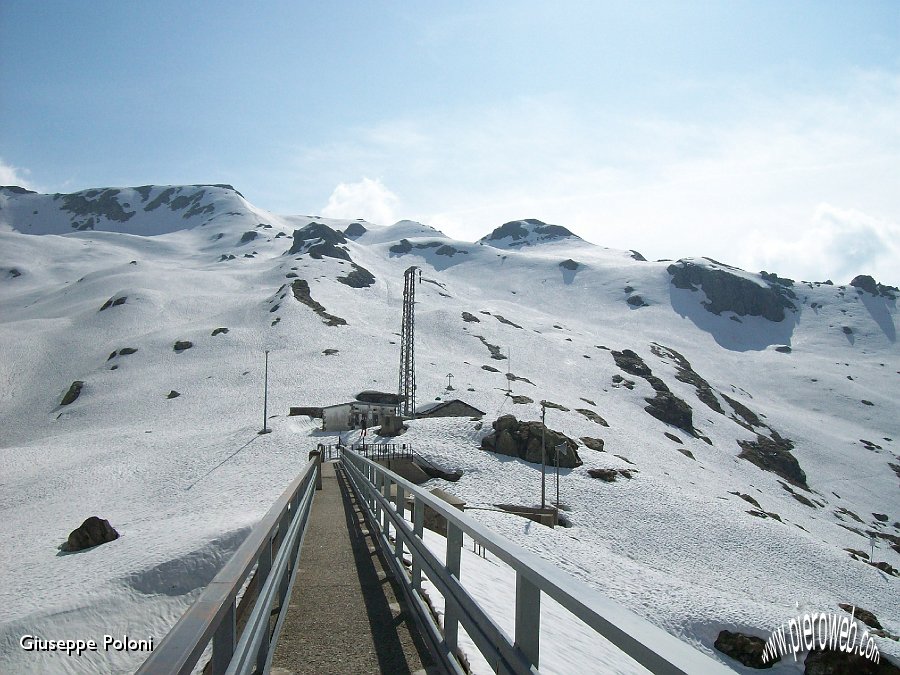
<point>672,437</point>
<point>838,663</point>
<point>863,615</point>
<point>490,369</point>
<point>92,532</point>
<point>881,517</point>
<point>329,352</point>
<point>555,406</point>
<point>358,277</point>
<point>319,241</point>
<point>355,230</point>
<point>127,351</point>
<point>592,416</point>
<point>748,499</point>
<point>181,345</point>
<point>685,373</point>
<point>587,400</point>
<point>569,264</point>
<point>522,400</point>
<point>746,649</point>
<point>668,408</point>
<point>523,440</point>
<point>774,454</point>
<point>114,302</point>
<point>636,301</point>
<point>728,292</point>
<point>515,378</point>
<point>847,512</point>
<point>173,394</point>
<point>12,273</point>
<point>631,363</point>
<point>449,251</point>
<point>784,349</point>
<point>607,475</point>
<point>248,236</point>
<point>506,321</point>
<point>219,331</point>
<point>470,318</point>
<point>686,452</point>
<point>300,289</point>
<point>866,283</point>
<point>637,256</point>
<point>225,257</point>
<point>493,349</point>
<point>73,393</point>
<point>866,402</point>
<point>593,443</point>
<point>618,379</point>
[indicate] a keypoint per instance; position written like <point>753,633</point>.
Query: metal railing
<point>273,548</point>
<point>384,496</point>
<point>376,451</point>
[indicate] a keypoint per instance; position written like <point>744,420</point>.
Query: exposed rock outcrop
<point>319,241</point>
<point>523,440</point>
<point>747,649</point>
<point>729,292</point>
<point>92,532</point>
<point>73,393</point>
<point>300,289</point>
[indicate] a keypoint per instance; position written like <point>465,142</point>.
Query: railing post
<point>418,526</point>
<point>528,618</point>
<point>262,573</point>
<point>401,511</point>
<point>454,556</point>
<point>317,454</point>
<point>385,517</point>
<point>224,641</point>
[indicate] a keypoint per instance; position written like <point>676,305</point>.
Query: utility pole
<point>543,455</point>
<point>508,371</point>
<point>449,379</point>
<point>265,429</point>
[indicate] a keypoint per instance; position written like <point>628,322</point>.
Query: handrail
<point>647,644</point>
<point>272,547</point>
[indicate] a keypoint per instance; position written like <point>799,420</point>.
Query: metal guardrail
<point>272,547</point>
<point>647,644</point>
<point>376,451</point>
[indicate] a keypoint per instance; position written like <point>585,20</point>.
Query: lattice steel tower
<point>407,389</point>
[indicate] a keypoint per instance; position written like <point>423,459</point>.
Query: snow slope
<point>184,478</point>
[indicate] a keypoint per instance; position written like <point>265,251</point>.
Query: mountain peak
<point>527,232</point>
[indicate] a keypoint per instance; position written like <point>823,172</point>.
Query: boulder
<point>523,440</point>
<point>92,532</point>
<point>181,345</point>
<point>747,649</point>
<point>73,393</point>
<point>866,283</point>
<point>837,663</point>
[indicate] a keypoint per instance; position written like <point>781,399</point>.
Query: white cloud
<point>668,185</point>
<point>838,244</point>
<point>10,175</point>
<point>368,199</point>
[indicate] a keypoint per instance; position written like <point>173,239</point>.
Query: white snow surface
<point>184,479</point>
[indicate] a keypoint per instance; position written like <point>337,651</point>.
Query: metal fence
<point>375,451</point>
<point>385,495</point>
<point>272,548</point>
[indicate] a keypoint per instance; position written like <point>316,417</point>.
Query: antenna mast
<point>407,387</point>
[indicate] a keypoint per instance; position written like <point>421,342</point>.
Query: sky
<point>764,134</point>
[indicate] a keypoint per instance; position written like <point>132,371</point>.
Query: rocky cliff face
<point>729,292</point>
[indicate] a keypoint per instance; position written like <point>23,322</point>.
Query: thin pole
<point>543,456</point>
<point>557,481</point>
<point>265,429</point>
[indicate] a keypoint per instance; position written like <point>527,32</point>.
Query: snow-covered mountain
<point>757,416</point>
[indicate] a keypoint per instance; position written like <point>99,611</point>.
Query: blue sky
<point>765,134</point>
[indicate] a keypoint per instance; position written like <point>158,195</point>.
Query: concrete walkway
<point>345,613</point>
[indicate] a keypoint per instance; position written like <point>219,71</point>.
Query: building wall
<point>356,415</point>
